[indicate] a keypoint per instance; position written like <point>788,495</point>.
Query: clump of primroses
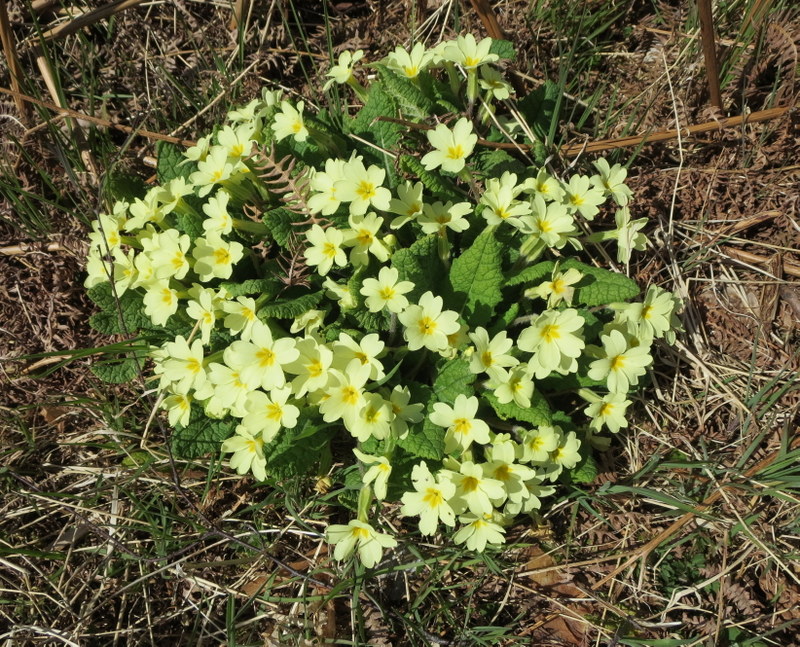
<point>233,360</point>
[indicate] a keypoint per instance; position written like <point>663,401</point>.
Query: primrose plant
<point>395,296</point>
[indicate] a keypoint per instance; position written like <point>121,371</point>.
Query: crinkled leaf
<point>439,186</point>
<point>505,320</point>
<point>121,185</point>
<point>454,379</point>
<point>586,471</point>
<point>503,48</point>
<point>279,221</point>
<point>295,451</point>
<point>117,370</point>
<point>493,163</point>
<point>476,277</point>
<point>125,319</point>
<point>258,287</point>
<point>367,123</point>
<point>288,307</point>
<point>411,100</point>
<point>420,264</point>
<point>424,440</point>
<point>537,414</point>
<point>533,274</point>
<point>539,108</point>
<point>202,435</point>
<point>169,164</point>
<point>600,286</point>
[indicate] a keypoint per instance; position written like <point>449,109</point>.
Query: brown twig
<point>489,19</point>
<point>710,51</point>
<point>89,18</point>
<point>14,68</point>
<point>67,112</point>
<point>748,257</point>
<point>572,150</point>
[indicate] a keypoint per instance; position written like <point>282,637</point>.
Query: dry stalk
<point>67,112</point>
<point>14,68</point>
<point>89,18</point>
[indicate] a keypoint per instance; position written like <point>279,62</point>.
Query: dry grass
<point>690,531</point>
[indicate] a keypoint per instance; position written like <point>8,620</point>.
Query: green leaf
<point>406,93</point>
<point>421,265</point>
<point>539,108</point>
<point>503,48</point>
<point>279,221</point>
<point>261,287</point>
<point>189,223</point>
<point>454,379</point>
<point>586,471</point>
<point>606,286</point>
<point>424,440</point>
<point>125,186</point>
<point>439,186</point>
<point>537,414</point>
<point>476,276</point>
<point>169,164</point>
<point>493,163</point>
<point>289,308</point>
<point>533,274</point>
<point>368,125</point>
<point>202,435</point>
<point>125,319</point>
<point>295,451</point>
<point>598,287</point>
<point>119,370</point>
<point>505,320</point>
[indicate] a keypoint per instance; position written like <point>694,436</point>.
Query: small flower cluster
<point>475,457</point>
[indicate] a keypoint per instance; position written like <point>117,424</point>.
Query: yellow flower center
<point>550,333</point>
<point>544,226</point>
<point>462,426</point>
<point>265,357</point>
<point>618,363</point>
<point>471,61</point>
<point>192,365</point>
<point>558,286</point>
<point>427,326</point>
<point>365,190</point>
<point>297,126</point>
<point>222,256</point>
<point>411,71</point>
<point>433,497</point>
<point>314,368</point>
<point>350,395</point>
<point>237,150</point>
<point>360,533</point>
<point>365,237</point>
<point>606,409</point>
<point>178,260</point>
<point>502,473</point>
<point>576,199</point>
<point>487,358</point>
<point>329,250</point>
<point>470,484</point>
<point>386,293</point>
<point>455,152</point>
<point>274,411</point>
<point>167,296</point>
<point>647,312</point>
